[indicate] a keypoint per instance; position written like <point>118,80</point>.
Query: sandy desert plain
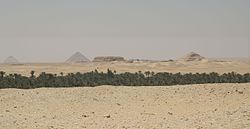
<point>206,106</point>
<point>208,65</point>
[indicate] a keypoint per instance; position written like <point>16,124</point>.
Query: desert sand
<point>216,106</point>
<point>219,66</point>
<point>191,62</point>
<point>210,106</point>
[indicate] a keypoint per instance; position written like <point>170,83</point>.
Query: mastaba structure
<point>77,58</point>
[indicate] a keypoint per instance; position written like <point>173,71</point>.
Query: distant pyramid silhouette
<point>11,60</point>
<point>192,56</point>
<point>77,58</point>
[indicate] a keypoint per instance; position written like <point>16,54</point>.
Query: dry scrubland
<point>176,66</point>
<point>211,106</point>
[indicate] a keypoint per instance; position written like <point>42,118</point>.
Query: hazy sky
<point>52,30</point>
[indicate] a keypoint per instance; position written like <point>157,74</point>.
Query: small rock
<point>108,116</point>
<point>84,116</point>
<point>240,92</point>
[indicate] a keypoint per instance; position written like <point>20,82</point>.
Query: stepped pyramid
<point>192,57</point>
<point>77,58</point>
<point>11,60</point>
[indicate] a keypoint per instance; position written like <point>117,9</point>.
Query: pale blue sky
<point>52,30</point>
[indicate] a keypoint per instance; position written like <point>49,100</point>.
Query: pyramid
<point>77,58</point>
<point>192,57</point>
<point>11,60</point>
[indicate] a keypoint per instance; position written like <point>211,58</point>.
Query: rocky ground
<point>216,106</point>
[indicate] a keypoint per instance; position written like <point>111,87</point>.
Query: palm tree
<point>61,73</point>
<point>32,74</point>
<point>152,73</point>
<point>147,73</point>
<point>2,73</point>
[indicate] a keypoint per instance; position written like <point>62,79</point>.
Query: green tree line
<point>96,78</point>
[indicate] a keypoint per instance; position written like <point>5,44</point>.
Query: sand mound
<point>192,57</point>
<point>11,60</point>
<point>77,58</point>
<point>108,59</point>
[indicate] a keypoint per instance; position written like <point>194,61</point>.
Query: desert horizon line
<point>104,56</point>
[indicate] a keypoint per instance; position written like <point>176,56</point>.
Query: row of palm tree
<point>96,78</point>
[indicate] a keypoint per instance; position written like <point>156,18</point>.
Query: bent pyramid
<point>11,60</point>
<point>192,57</point>
<point>77,58</point>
